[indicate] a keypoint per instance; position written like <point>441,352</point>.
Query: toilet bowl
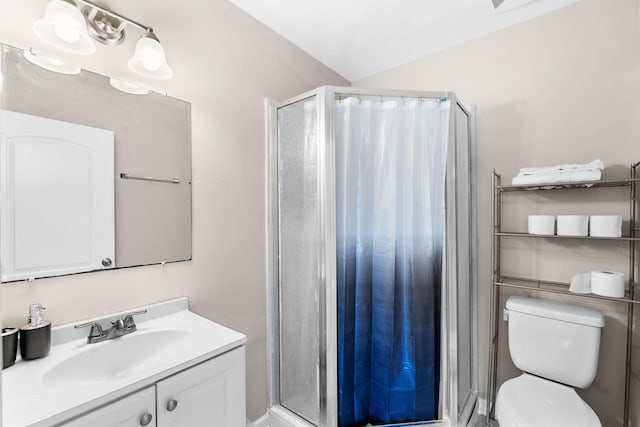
<point>556,346</point>
<point>529,401</point>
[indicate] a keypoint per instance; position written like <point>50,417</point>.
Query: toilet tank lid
<point>556,311</point>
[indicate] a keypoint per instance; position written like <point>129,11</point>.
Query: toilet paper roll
<point>573,225</point>
<point>605,226</point>
<point>542,224</point>
<point>607,283</point>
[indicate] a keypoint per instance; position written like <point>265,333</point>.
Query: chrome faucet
<point>118,328</point>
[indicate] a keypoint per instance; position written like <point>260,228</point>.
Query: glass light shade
<point>51,64</point>
<point>149,60</point>
<point>64,28</point>
<point>129,87</point>
<point>67,31</point>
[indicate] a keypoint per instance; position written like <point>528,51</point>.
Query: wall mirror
<point>91,177</point>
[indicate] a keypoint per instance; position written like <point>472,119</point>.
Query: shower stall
<point>371,266</point>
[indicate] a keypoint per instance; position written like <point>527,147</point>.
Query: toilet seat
<point>530,401</point>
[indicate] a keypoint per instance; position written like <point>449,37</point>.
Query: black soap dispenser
<point>35,337</point>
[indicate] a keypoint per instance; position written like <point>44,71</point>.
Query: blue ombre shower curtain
<point>390,169</point>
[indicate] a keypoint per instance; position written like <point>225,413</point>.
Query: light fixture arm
<point>116,15</point>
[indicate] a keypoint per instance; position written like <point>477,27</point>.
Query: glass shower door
<point>299,257</point>
<point>465,283</point>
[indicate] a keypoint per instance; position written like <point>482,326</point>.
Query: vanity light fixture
<point>71,29</point>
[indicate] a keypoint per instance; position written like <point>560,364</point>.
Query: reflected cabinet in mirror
<point>91,178</point>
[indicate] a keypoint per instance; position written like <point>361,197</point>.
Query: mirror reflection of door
<point>56,197</point>
<point>152,139</point>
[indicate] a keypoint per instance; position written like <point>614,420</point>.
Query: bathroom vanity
<point>177,369</point>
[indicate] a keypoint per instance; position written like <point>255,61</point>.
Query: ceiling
<point>359,38</point>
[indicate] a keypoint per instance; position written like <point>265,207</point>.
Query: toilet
<point>556,346</point>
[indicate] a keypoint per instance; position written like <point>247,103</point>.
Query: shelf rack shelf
<point>605,183</point>
<point>555,236</point>
<point>555,288</point>
<point>500,281</point>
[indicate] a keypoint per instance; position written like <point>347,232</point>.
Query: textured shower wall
<point>564,87</point>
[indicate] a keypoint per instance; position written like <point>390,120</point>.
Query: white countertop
<point>28,399</point>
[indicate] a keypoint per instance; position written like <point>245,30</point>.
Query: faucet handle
<point>129,323</point>
<point>118,324</point>
<point>95,332</point>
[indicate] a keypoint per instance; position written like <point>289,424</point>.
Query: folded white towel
<point>558,177</point>
<point>596,164</point>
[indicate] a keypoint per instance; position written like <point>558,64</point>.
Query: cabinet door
<point>211,394</point>
<point>136,410</point>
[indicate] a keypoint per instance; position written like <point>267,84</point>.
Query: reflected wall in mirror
<point>91,177</point>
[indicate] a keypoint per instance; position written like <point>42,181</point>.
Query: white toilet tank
<point>556,341</point>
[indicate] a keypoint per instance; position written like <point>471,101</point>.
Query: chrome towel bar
<point>149,178</point>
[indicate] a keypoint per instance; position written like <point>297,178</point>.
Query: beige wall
<point>563,87</point>
<point>225,63</point>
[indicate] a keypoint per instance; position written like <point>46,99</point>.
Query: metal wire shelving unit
<point>500,281</point>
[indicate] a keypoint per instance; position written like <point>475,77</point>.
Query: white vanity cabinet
<point>211,394</point>
<point>137,409</point>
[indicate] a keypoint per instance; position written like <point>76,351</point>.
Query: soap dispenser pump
<point>35,336</point>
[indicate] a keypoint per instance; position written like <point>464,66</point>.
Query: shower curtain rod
<point>383,98</point>
<point>354,91</point>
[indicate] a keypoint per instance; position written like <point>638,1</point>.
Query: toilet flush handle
<point>505,315</point>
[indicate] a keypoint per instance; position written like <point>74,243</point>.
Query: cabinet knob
<point>145,419</point>
<point>172,405</point>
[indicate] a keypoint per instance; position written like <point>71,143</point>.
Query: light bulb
<point>67,32</point>
<point>152,62</point>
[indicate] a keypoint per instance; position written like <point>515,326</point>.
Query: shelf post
<point>495,295</point>
<point>630,309</point>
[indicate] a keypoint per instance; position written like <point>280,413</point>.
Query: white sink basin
<point>76,377</point>
<point>117,358</point>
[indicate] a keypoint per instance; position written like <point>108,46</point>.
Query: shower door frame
<point>328,367</point>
